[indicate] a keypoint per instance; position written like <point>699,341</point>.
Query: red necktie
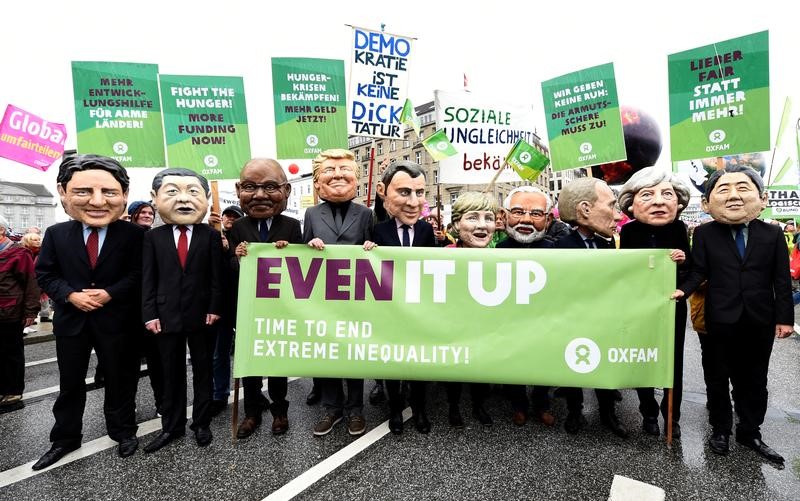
<point>183,246</point>
<point>91,247</point>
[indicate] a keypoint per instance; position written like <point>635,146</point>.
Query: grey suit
<point>355,229</point>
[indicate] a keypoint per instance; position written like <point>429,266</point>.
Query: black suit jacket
<point>385,233</point>
<point>758,284</point>
<point>245,229</point>
<point>63,268</point>
<point>181,298</point>
<point>573,240</point>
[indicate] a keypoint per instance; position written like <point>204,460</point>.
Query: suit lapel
<point>730,243</point>
<point>752,235</point>
<point>391,227</point>
<point>349,219</point>
<point>326,214</point>
<point>198,233</point>
<point>76,234</point>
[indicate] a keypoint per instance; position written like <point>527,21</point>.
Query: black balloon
<point>642,146</point>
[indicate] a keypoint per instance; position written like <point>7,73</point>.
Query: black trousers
<point>737,354</point>
<point>172,349</point>
<point>12,358</point>
<point>118,354</point>
<point>478,391</point>
<point>333,398</point>
<point>254,400</point>
<point>648,405</point>
<point>148,349</point>
<point>416,398</point>
<point>518,395</point>
<point>605,400</point>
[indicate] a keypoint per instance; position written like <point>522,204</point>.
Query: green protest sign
<point>583,121</point>
<point>310,99</point>
<point>556,317</point>
<point>205,124</point>
<point>719,98</point>
<point>117,112</point>
<point>782,202</point>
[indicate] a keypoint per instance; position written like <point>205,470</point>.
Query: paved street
<point>503,462</point>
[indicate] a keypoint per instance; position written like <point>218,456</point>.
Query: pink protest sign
<point>29,139</point>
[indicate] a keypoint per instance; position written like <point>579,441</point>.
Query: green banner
<point>556,317</point>
<point>205,123</point>
<point>783,202</point>
<point>310,99</point>
<point>719,98</point>
<point>583,121</point>
<point>117,112</point>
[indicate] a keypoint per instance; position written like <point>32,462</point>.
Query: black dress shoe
<point>763,449</point>
<point>376,394</point>
<point>575,421</point>
<point>314,396</point>
<point>127,446</point>
<point>161,440</point>
<point>203,436</point>
<point>396,423</point>
<point>421,423</point>
<point>676,430</point>
<point>650,426</point>
<point>610,421</point>
<point>54,455</point>
<point>482,416</point>
<point>454,416</point>
<point>719,443</point>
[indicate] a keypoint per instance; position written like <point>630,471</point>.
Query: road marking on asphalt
<point>40,362</point>
<point>628,489</point>
<point>317,472</point>
<point>45,361</point>
<point>55,389</point>
<point>87,449</point>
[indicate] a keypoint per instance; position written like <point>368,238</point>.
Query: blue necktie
<point>590,243</point>
<point>406,235</point>
<point>263,231</point>
<point>740,239</point>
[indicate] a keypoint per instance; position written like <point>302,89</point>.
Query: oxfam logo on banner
<point>120,148</point>
<point>441,146</point>
<point>525,157</point>
<point>210,160</point>
<point>312,140</point>
<point>586,148</point>
<point>582,355</point>
<point>717,136</point>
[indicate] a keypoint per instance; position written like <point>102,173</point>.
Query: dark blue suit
<point>516,392</point>
<point>605,398</point>
<point>385,234</point>
<point>63,268</point>
<point>246,230</point>
<point>745,299</point>
<point>180,298</point>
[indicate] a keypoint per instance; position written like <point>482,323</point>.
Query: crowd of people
<point>130,290</point>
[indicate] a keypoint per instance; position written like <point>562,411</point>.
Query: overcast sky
<point>505,48</point>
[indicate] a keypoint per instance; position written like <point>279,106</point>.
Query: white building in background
<point>300,198</point>
<point>25,205</point>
